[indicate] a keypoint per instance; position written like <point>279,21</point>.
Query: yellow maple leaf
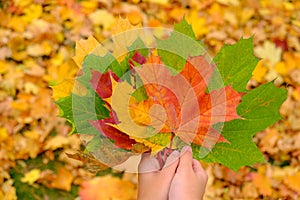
<point>84,47</point>
<point>65,88</point>
<point>31,176</point>
<point>124,34</point>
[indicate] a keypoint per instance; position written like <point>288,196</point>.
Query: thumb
<point>186,159</point>
<point>172,162</point>
<point>148,164</point>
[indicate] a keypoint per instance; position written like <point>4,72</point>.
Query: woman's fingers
<point>186,159</point>
<point>172,163</point>
<point>198,169</point>
<point>148,164</point>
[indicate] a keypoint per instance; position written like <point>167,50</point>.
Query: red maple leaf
<point>121,139</point>
<point>190,111</point>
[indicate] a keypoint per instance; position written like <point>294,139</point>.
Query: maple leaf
<point>168,50</point>
<point>167,89</point>
<point>121,139</point>
<point>177,94</point>
<point>83,47</point>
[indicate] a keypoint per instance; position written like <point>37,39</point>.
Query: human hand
<point>190,179</point>
<point>154,182</point>
<point>182,177</point>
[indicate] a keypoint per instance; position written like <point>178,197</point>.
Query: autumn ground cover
<point>37,42</point>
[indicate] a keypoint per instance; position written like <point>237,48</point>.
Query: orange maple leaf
<point>190,111</point>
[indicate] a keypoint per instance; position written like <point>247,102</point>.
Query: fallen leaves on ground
<point>36,47</point>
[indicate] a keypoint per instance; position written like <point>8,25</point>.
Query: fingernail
<point>175,154</point>
<point>186,148</point>
<point>172,157</point>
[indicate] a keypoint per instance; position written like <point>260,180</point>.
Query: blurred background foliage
<point>37,40</point>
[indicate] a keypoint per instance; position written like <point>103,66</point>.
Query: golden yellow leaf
<point>33,11</point>
<point>198,23</point>
<point>57,74</point>
<point>293,181</point>
<point>31,176</point>
<point>177,13</point>
<point>89,6</point>
<point>65,88</point>
<point>17,23</point>
<point>63,179</point>
<point>3,134</point>
<point>102,17</point>
<point>246,14</point>
<point>124,34</point>
<point>9,191</point>
<point>155,148</point>
<point>281,68</point>
<point>3,67</point>
<point>135,17</point>
<point>292,60</point>
<point>259,72</point>
<point>139,112</point>
<point>296,93</point>
<point>262,183</point>
<point>56,142</point>
<point>20,105</point>
<point>107,187</point>
<point>84,47</point>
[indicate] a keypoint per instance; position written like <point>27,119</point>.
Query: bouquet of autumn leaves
<point>160,93</point>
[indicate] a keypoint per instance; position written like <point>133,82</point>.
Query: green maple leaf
<point>182,43</point>
<point>138,45</point>
<point>235,64</point>
<point>65,110</point>
<point>259,109</point>
<point>79,109</point>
